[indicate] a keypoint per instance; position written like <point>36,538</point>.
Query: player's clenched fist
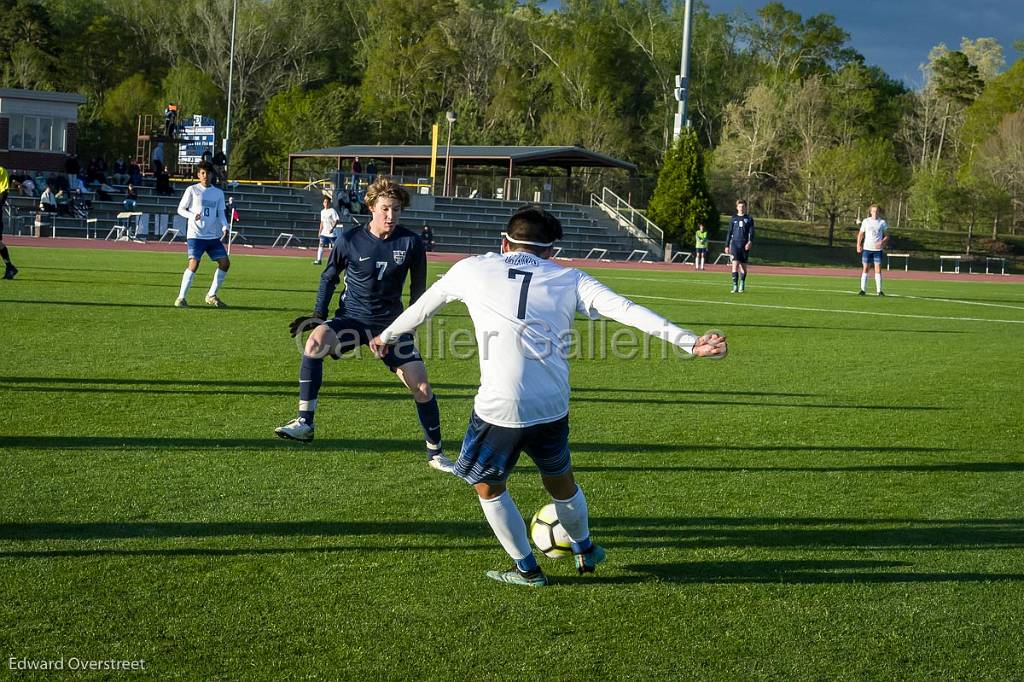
<point>711,345</point>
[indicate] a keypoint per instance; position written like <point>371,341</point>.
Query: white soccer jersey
<point>523,308</point>
<point>208,202</point>
<point>874,230</point>
<point>328,220</point>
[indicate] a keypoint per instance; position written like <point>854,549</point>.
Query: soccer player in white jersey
<point>329,219</point>
<point>871,241</point>
<point>202,205</point>
<point>523,306</point>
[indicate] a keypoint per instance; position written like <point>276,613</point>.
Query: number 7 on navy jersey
<point>523,290</point>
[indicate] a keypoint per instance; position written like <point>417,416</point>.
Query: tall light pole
<point>226,142</point>
<point>682,90</point>
<point>450,116</point>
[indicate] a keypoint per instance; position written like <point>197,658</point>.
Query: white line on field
<point>797,287</point>
<point>822,310</point>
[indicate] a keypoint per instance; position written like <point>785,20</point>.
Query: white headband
<point>521,241</point>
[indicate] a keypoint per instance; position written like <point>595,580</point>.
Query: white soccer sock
<point>572,514</point>
<point>218,280</point>
<point>878,282</point>
<point>863,280</point>
<point>319,252</point>
<point>508,525</point>
<point>186,282</point>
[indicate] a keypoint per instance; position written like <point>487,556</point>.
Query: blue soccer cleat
<point>515,577</point>
<point>587,561</point>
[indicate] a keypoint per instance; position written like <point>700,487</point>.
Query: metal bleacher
<point>461,225</point>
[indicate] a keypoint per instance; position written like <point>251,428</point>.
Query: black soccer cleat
<point>10,272</point>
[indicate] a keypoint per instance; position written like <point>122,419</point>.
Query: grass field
<point>840,498</point>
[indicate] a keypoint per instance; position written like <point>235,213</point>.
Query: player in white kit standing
<point>202,205</point>
<point>523,307</point>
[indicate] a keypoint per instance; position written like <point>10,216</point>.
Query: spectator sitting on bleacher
<point>119,176</point>
<point>71,167</point>
<point>63,202</point>
<point>26,186</point>
<point>103,192</point>
<point>131,198</point>
<point>97,171</point>
<point>48,202</point>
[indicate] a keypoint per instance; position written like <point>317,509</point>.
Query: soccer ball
<point>548,535</point>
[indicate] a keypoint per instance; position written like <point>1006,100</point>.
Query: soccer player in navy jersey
<point>376,260</point>
<point>737,245</point>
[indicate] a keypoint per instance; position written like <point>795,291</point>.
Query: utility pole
<point>226,142</point>
<point>682,90</point>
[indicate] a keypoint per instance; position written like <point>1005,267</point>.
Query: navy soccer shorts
<point>869,257</point>
<point>489,452</point>
<point>737,253</point>
<point>353,333</point>
<point>214,248</point>
<point>326,242</point>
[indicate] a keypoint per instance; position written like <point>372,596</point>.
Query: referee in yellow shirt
<point>5,184</point>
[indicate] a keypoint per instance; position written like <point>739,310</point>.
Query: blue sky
<point>898,34</point>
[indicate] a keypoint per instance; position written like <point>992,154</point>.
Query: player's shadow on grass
<point>118,271</point>
<point>390,384</point>
<point>795,572</point>
<point>164,285</point>
<point>951,467</point>
<point>393,391</point>
<point>112,304</point>
<point>810,534</point>
<point>162,530</point>
<point>386,445</point>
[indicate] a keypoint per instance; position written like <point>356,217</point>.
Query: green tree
<point>299,119</point>
<point>843,177</point>
<point>119,114</point>
<point>194,93</point>
<point>1002,95</point>
<point>681,199</point>
<point>792,48</point>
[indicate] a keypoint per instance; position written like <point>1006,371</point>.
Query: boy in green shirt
<point>702,246</point>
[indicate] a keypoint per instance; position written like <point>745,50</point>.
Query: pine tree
<point>681,199</point>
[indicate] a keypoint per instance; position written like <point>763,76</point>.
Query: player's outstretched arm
<point>430,302</point>
<point>597,299</point>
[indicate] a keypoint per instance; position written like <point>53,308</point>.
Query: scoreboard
<point>197,136</point>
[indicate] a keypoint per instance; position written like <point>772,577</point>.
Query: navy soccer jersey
<point>741,231</point>
<point>375,271</point>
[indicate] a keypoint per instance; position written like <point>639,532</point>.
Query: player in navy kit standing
<point>376,260</point>
<point>737,245</point>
